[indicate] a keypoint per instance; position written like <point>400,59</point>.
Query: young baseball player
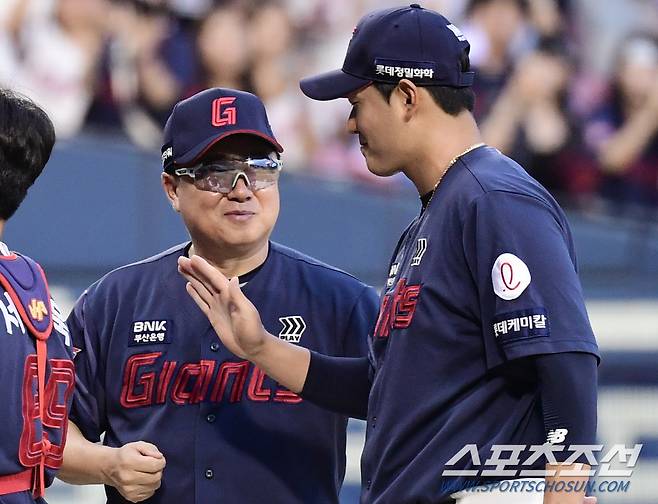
<point>36,370</point>
<point>152,375</point>
<point>482,338</point>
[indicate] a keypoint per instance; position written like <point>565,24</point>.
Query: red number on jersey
<point>57,393</point>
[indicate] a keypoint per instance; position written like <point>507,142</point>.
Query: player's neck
<point>232,263</point>
<point>2,227</point>
<point>438,148</point>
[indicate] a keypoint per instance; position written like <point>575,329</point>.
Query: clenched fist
<point>135,470</point>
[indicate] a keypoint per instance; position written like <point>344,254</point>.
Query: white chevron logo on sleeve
<point>293,328</point>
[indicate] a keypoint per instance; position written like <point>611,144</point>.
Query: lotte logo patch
<point>222,115</point>
<point>510,276</point>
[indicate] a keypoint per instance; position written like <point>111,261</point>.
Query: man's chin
<point>379,169</point>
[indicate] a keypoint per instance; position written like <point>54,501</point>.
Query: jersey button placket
<point>214,346</point>
<point>209,473</point>
<point>211,418</point>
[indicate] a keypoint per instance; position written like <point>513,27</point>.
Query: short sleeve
<point>88,409</point>
<point>522,260</point>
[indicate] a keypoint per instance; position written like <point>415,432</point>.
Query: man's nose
<point>241,190</point>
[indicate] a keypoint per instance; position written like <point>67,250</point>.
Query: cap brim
<point>200,150</point>
<point>331,85</point>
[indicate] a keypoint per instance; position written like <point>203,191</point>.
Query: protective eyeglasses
<point>222,176</point>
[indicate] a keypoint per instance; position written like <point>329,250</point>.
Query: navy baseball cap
<point>200,121</point>
<point>390,44</point>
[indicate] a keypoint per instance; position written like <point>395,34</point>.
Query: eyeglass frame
<point>191,172</point>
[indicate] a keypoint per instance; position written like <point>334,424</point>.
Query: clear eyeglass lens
<point>221,176</point>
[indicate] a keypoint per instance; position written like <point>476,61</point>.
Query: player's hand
<point>232,315</point>
<point>589,500</point>
<point>135,470</point>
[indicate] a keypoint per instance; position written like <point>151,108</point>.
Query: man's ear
<point>408,93</point>
<point>170,186</point>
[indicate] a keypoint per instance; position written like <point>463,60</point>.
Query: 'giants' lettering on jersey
<point>397,309</point>
<point>146,383</point>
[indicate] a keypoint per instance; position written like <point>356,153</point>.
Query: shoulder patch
<point>510,276</point>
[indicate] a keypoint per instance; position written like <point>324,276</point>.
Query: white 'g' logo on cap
<point>510,276</point>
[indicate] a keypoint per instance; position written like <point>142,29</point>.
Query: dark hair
<point>452,100</point>
<point>27,137</point>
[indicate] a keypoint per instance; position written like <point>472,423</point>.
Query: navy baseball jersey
<point>26,308</point>
<point>485,276</point>
<point>151,368</point>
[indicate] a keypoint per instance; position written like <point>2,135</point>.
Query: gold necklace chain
<point>452,162</point>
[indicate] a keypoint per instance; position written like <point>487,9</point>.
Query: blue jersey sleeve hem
<point>94,437</point>
<point>521,349</point>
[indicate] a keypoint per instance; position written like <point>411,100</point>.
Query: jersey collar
<point>242,279</point>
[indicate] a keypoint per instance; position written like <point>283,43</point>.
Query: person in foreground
<point>154,378</point>
<point>36,369</point>
<point>482,338</point>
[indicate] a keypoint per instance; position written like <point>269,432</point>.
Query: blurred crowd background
<point>569,88</point>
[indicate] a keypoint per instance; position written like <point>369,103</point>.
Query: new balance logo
<point>224,116</point>
<point>557,436</point>
<point>421,248</point>
<point>293,328</point>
